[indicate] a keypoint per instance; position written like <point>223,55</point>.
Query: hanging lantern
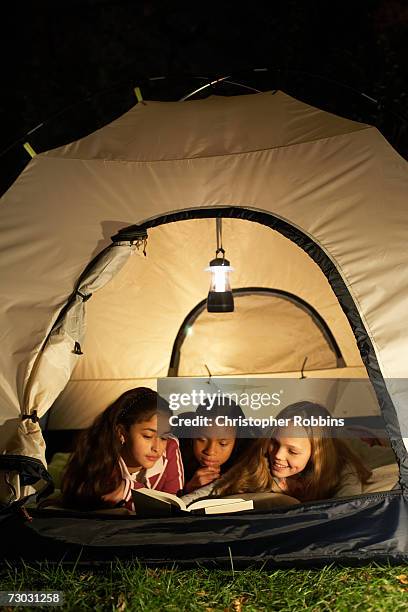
<point>220,295</point>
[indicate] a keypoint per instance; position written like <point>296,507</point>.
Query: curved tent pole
<point>225,79</point>
<point>239,292</point>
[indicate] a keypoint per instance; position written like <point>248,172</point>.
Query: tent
<point>314,222</point>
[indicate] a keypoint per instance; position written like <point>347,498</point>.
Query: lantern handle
<point>220,250</point>
<point>218,228</point>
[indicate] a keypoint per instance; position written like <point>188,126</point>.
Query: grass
<point>129,586</point>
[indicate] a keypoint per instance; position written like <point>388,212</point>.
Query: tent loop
<point>141,242</point>
<point>302,369</point>
<point>77,348</point>
<point>33,416</point>
<point>29,149</point>
<point>134,234</point>
<point>85,297</point>
<point>209,374</point>
<point>138,95</point>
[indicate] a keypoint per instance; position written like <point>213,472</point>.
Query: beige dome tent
<point>314,222</point>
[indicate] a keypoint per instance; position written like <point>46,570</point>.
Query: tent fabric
<point>22,478</point>
<point>28,442</point>
<point>55,363</point>
<point>53,367</point>
<point>353,531</point>
<point>216,126</point>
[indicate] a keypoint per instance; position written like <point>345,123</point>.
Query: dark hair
<point>93,469</point>
<point>230,409</point>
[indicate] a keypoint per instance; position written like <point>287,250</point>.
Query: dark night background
<point>74,65</point>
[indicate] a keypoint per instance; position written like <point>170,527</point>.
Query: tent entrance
<point>164,240</point>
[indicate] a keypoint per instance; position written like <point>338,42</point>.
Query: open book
<point>157,503</point>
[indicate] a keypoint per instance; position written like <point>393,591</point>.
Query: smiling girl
<point>127,447</point>
<point>304,462</point>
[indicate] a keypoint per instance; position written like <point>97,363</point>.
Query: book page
<point>225,508</point>
<point>160,496</point>
<point>215,501</point>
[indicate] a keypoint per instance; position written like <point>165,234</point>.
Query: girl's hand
<point>116,496</point>
<point>203,476</point>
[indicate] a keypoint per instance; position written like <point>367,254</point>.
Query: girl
<point>215,450</point>
<point>302,462</point>
<point>126,447</point>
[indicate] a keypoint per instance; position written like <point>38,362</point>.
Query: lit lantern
<point>220,295</point>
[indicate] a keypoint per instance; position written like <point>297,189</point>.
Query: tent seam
<point>234,153</point>
<point>264,374</point>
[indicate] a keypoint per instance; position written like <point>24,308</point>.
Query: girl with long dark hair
<point>127,447</point>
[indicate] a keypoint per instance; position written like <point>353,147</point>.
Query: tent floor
<point>349,531</point>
